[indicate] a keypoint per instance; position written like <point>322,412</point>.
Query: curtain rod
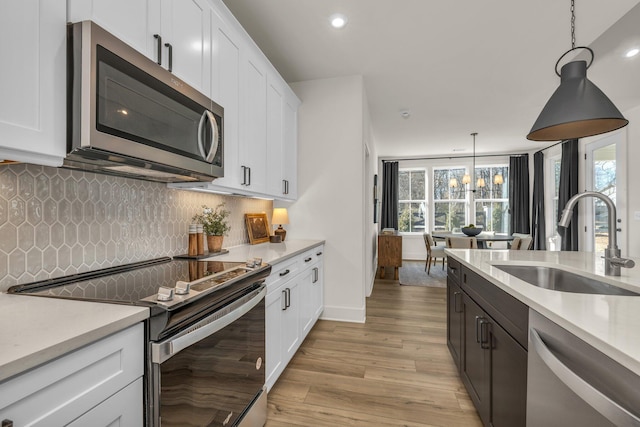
<point>551,146</point>
<point>454,157</point>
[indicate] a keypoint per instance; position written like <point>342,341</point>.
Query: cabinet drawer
<point>510,313</point>
<point>281,272</point>
<point>311,256</point>
<point>453,270</point>
<point>57,392</point>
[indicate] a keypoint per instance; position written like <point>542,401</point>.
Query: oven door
<point>212,373</point>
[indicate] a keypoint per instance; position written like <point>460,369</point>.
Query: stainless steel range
<point>205,337</point>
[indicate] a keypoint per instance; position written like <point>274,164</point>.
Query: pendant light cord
<point>573,25</point>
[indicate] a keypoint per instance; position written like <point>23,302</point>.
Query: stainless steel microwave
<point>129,116</point>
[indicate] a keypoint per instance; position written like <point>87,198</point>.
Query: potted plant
<point>214,224</point>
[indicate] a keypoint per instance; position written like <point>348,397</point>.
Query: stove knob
<point>182,288</point>
<point>165,294</point>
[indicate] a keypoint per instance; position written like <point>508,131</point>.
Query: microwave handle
<point>214,138</point>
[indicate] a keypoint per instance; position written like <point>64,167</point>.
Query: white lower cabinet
<point>294,303</point>
<point>97,385</point>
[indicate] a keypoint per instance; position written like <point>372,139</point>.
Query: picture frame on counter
<point>257,227</point>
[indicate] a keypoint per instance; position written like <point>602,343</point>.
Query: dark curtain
<point>519,221</point>
<point>568,188</point>
<point>389,216</point>
<point>539,230</point>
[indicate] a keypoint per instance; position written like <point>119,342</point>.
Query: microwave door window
<point>131,109</point>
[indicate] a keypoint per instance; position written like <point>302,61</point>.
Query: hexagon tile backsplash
<point>55,222</point>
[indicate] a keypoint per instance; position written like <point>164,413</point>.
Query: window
<point>492,200</point>
<point>449,203</point>
<point>412,204</point>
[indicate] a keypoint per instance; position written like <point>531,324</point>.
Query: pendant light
<point>576,109</point>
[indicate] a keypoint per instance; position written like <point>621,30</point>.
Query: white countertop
<point>271,253</point>
<point>36,330</point>
<point>609,323</point>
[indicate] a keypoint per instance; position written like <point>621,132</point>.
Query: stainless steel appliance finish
<point>129,116</point>
<point>206,342</point>
<point>571,383</point>
<point>562,280</point>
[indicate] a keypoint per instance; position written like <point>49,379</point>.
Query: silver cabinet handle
<point>214,137</point>
<point>162,351</point>
<point>478,318</point>
<point>315,275</point>
<point>455,302</point>
<point>593,397</point>
<point>284,299</point>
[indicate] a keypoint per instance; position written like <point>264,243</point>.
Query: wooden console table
<point>389,252</point>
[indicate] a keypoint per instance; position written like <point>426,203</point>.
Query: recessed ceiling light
<point>338,20</point>
<point>405,114</point>
<point>632,52</point>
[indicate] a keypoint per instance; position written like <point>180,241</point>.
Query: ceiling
<point>457,67</point>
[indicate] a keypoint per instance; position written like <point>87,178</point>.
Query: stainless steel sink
<point>561,280</point>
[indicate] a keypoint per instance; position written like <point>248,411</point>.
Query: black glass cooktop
<point>139,282</point>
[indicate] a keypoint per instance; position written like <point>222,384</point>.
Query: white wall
<point>330,203</point>
<point>370,228</point>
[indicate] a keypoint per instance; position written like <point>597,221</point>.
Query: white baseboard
<point>344,314</point>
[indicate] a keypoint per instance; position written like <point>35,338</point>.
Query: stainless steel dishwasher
<point>570,383</point>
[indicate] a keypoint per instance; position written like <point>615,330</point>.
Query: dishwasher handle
<point>163,351</point>
<point>592,396</point>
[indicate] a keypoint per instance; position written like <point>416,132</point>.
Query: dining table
<point>481,238</point>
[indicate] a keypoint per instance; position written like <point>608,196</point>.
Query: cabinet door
<point>253,126</point>
<point>186,27</point>
<point>475,359</point>
<point>122,409</point>
<point>290,147</point>
<point>33,81</point>
<point>317,293</point>
<point>307,306</point>
<point>275,133</point>
<point>290,320</point>
<point>132,21</point>
<point>225,89</point>
<point>508,380</point>
<point>275,306</point>
<point>454,321</point>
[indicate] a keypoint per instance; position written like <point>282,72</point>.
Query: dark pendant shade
<point>576,109</point>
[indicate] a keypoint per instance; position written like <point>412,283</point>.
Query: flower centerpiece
<point>214,224</point>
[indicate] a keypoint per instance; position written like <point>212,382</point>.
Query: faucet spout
<point>565,219</point>
<point>612,259</point>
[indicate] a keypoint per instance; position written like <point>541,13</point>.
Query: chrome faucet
<point>612,259</point>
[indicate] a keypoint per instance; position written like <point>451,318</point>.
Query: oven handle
<point>162,351</point>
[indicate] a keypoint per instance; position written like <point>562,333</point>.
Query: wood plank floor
<point>393,370</point>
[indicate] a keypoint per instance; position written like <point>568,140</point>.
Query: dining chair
<point>462,242</point>
<point>521,243</point>
<point>433,251</point>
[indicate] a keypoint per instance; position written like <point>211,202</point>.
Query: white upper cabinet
<point>290,147</point>
<point>129,20</point>
<point>275,132</point>
<point>225,89</point>
<point>33,81</point>
<point>174,33</point>
<point>186,41</point>
<point>253,138</point>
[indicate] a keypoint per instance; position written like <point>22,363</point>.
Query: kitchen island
<point>609,323</point>
<point>531,355</point>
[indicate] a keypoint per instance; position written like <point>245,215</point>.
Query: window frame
<point>410,201</point>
